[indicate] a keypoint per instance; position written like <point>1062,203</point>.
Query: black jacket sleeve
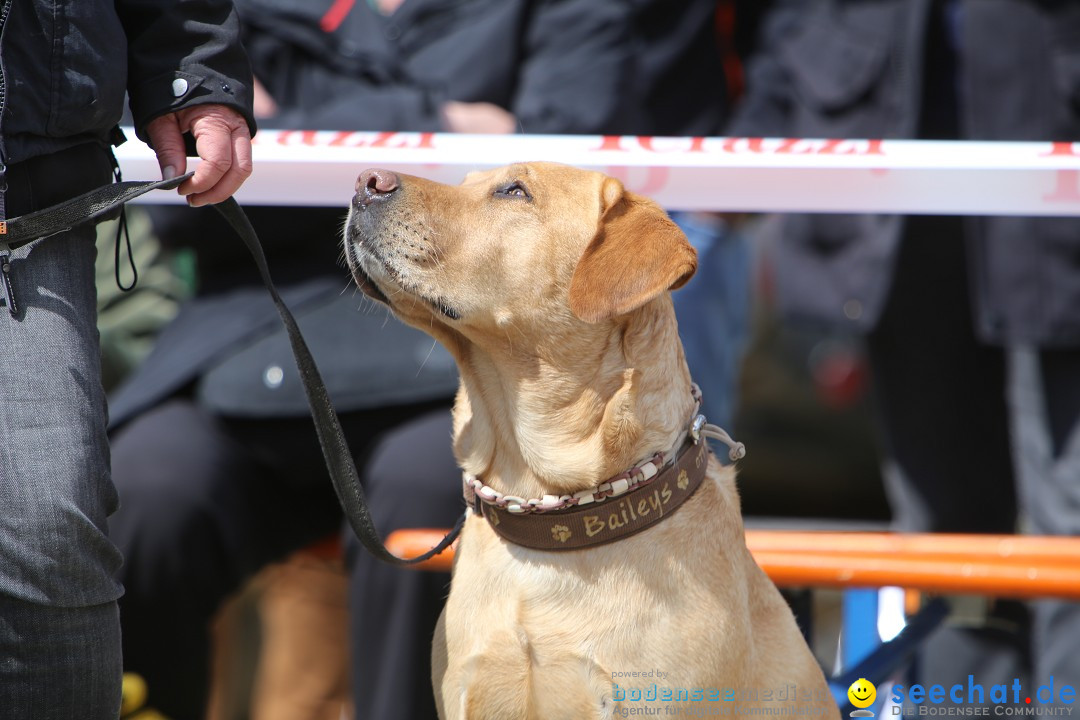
<point>558,65</point>
<point>576,70</point>
<point>183,53</point>
<point>765,109</point>
<point>360,106</point>
<point>332,80</point>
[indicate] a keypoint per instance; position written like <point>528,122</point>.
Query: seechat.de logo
<point>1051,698</point>
<point>862,695</point>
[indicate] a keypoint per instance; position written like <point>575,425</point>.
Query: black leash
<point>343,475</point>
<point>335,450</point>
<point>78,210</point>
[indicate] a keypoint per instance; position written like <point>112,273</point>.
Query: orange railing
<point>999,565</point>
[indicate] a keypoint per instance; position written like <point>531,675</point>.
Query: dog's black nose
<point>375,185</point>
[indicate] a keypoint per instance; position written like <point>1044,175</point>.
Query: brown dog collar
<point>624,505</point>
<point>608,519</point>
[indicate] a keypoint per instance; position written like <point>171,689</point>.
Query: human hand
<point>477,117</point>
<point>222,141</point>
<point>263,105</point>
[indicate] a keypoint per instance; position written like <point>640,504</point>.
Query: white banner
<point>715,173</point>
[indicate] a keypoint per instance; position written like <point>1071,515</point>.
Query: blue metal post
<point>859,636</point>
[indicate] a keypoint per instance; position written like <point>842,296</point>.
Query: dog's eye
<point>514,189</point>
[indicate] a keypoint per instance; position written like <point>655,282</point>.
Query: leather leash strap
<point>343,475</point>
<point>78,210</point>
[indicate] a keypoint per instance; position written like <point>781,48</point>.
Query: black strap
<point>78,210</point>
<point>343,475</point>
<point>335,450</point>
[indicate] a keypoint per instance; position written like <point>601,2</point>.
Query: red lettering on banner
<point>754,145</point>
<point>1066,182</point>
<point>345,138</point>
<point>1062,148</point>
<point>874,147</point>
<point>339,138</point>
<point>697,144</point>
<point>1066,189</point>
<point>382,140</point>
<point>348,140</point>
<point>833,147</point>
<point>787,147</point>
<point>648,143</point>
<point>610,142</point>
<point>306,137</point>
<point>739,145</point>
<point>850,147</point>
<point>801,146</point>
<point>656,178</point>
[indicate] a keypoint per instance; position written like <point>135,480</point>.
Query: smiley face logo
<point>862,693</point>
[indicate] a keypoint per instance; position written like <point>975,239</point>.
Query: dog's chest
<point>518,622</point>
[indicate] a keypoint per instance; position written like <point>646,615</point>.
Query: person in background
<point>65,69</point>
<point>215,458</point>
<point>689,72</point>
<point>946,303</point>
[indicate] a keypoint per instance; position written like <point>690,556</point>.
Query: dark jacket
<point>68,63</point>
<point>227,345</point>
<point>649,67</point>
<point>561,66</point>
<point>678,68</point>
<point>860,68</point>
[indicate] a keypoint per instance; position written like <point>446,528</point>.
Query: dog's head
<point>549,286</point>
<point>537,246</point>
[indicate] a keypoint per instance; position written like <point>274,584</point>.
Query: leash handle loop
<point>80,209</point>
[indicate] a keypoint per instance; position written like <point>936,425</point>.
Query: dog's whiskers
<point>426,357</point>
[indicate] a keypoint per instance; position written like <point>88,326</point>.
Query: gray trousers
<point>59,629</point>
<point>208,500</point>
<point>979,441</point>
<point>1045,402</point>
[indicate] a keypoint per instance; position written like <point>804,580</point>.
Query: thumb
<point>168,144</point>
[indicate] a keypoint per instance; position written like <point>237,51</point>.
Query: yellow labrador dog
<point>604,572</point>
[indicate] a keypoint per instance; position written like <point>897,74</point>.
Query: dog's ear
<point>637,253</point>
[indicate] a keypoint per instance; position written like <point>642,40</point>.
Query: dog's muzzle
<point>375,188</point>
